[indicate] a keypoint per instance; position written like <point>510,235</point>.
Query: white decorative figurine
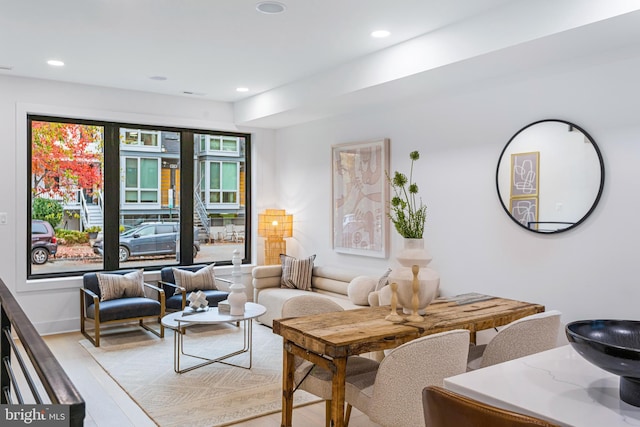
<point>198,300</point>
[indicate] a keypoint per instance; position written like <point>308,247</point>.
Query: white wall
<point>587,272</point>
<point>53,305</point>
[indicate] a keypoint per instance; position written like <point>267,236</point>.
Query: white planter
<point>414,253</point>
<point>237,299</point>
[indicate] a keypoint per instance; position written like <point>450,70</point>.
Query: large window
<point>114,196</point>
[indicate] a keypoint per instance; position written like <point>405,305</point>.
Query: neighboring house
<point>150,182</point>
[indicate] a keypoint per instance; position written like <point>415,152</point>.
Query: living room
<point>587,75</point>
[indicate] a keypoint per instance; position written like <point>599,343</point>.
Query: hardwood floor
<point>108,405</point>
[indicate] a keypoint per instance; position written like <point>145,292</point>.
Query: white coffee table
<point>179,321</point>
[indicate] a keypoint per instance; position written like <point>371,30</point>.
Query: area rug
<point>213,395</point>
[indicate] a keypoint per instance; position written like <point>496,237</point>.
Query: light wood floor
<point>108,405</point>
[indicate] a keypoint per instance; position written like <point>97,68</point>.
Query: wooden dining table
<point>329,339</point>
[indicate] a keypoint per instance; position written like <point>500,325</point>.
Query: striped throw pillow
<point>200,280</point>
<point>296,273</point>
<point>114,286</point>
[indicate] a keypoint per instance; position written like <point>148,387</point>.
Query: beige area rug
<point>213,395</point>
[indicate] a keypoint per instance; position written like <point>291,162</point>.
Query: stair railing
<point>52,378</point>
<point>201,211</point>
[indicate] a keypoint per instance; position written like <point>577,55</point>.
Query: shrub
<point>72,237</point>
<point>47,210</point>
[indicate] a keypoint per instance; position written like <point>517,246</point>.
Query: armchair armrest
<point>87,292</point>
<point>171,288</point>
<point>161,295</point>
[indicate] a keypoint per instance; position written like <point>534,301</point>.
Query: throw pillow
<point>296,273</point>
<point>200,280</point>
<point>360,288</point>
<point>383,280</point>
<point>114,286</point>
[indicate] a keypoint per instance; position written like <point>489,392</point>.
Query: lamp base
<point>272,250</point>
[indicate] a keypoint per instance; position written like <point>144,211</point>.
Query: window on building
<point>142,180</point>
<point>140,138</point>
<point>123,200</point>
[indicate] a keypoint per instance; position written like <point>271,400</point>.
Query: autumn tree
<point>65,156</point>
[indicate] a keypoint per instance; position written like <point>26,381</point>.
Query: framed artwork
<point>525,211</point>
<point>360,194</point>
<point>525,174</point>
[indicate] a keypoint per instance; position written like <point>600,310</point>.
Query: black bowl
<point>613,345</point>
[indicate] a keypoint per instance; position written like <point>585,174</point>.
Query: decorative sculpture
<point>198,301</point>
<point>394,316</point>
<point>415,317</point>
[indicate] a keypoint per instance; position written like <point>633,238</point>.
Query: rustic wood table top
<point>328,339</point>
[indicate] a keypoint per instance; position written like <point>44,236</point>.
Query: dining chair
<point>392,395</point>
<point>444,408</point>
<point>522,337</point>
<point>309,377</point>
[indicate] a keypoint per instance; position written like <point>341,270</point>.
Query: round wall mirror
<point>550,176</point>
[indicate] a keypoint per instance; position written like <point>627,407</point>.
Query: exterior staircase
<point>201,218</point>
<point>94,216</point>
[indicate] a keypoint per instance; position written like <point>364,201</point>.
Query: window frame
<point>112,174</point>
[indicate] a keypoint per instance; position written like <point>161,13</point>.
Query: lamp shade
<point>275,223</point>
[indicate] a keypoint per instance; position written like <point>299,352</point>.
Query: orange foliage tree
<point>65,156</point>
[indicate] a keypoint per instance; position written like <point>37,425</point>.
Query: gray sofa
<point>329,282</point>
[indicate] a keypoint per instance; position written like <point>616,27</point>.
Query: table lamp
<point>274,225</point>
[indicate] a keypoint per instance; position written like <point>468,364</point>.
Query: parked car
<point>157,238</point>
<point>43,241</point>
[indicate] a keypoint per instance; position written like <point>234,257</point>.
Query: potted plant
<point>93,231</point>
<point>407,213</point>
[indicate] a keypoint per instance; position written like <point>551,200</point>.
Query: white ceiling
<point>318,54</point>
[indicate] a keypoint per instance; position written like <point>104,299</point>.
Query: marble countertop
<point>558,385</point>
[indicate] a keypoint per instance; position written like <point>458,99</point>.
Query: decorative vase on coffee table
<point>237,299</point>
<point>414,253</point>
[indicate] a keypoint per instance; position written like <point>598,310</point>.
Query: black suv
<point>43,241</point>
<point>152,238</point>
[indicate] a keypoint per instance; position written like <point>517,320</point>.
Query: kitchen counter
<point>558,385</point>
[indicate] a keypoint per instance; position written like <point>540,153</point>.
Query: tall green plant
<point>407,212</point>
<point>47,210</point>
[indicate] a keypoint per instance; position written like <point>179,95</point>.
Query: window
<point>223,182</point>
<point>142,177</point>
<point>114,194</point>
<point>140,138</point>
<point>220,145</point>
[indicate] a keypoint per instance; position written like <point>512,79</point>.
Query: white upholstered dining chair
<point>312,378</point>
<point>392,395</point>
<point>522,337</point>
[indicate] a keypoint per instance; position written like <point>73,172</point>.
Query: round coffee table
<point>179,321</point>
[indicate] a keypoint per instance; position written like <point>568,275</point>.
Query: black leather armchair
<point>118,310</point>
<point>177,297</point>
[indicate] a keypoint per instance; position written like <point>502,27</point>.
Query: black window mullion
<point>186,196</point>
<point>111,230</point>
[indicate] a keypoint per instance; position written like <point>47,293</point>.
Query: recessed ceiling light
<point>270,7</point>
<point>159,78</point>
<point>242,89</point>
<point>379,34</point>
<point>55,63</point>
